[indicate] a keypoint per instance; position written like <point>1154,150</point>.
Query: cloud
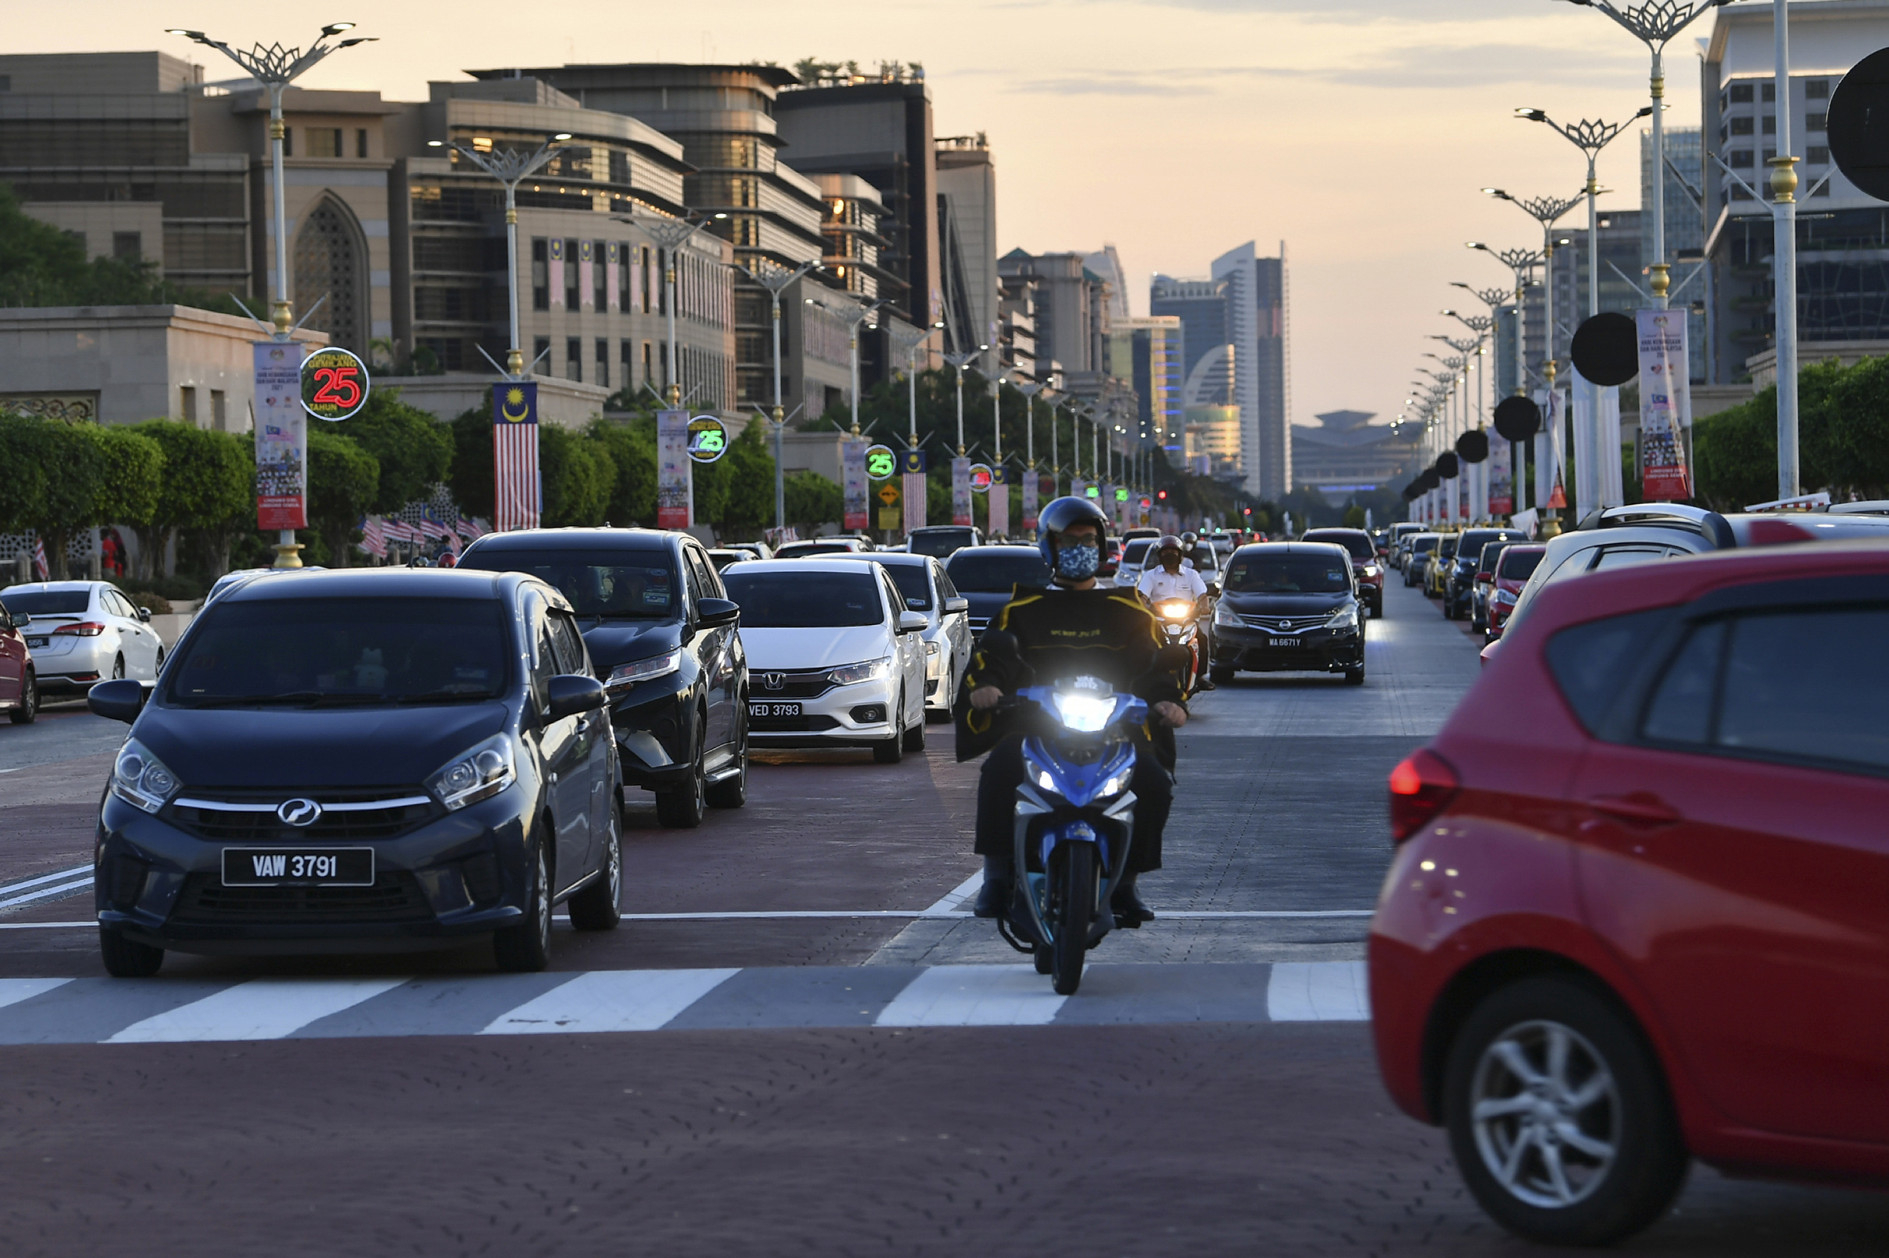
<point>1115,83</point>
<point>1351,10</point>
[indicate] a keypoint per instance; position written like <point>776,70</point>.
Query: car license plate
<point>317,866</point>
<point>38,643</point>
<point>773,709</point>
<point>1286,642</point>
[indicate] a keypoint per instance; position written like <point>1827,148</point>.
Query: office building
<point>1620,274</point>
<point>1146,354</point>
<point>1107,263</point>
<point>967,199</point>
<point>1071,305</point>
<point>1259,327</point>
<point>1016,330</point>
<point>1842,234</point>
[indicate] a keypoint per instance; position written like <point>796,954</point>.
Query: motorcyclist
<point>1071,628</point>
<point>1189,541</point>
<point>1170,579</point>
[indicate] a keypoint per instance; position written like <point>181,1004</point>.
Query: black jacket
<point>1104,633</point>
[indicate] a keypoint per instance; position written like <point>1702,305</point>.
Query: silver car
<point>84,632</point>
<point>928,590</point>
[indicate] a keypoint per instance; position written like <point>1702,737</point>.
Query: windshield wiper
<point>313,698</point>
<point>443,696</point>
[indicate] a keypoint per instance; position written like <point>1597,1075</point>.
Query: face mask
<point>1078,563</point>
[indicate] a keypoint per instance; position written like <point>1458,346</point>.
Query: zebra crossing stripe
<point>610,1000</point>
<point>973,995</point>
<point>1318,991</point>
<point>265,1009</point>
<point>14,990</point>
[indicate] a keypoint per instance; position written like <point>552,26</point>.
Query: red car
<point>19,687</point>
<point>1517,564</point>
<point>1638,909</point>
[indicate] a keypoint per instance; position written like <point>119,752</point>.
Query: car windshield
<point>773,599</point>
<point>1519,566</point>
<point>1137,550</point>
<point>939,542</point>
<point>1287,574</point>
<point>47,602</point>
<point>341,651</point>
<point>1357,543</point>
<point>613,584</point>
<point>1448,548</point>
<point>993,573</point>
<point>1424,543</point>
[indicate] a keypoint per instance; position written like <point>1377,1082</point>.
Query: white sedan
<point>83,632</point>
<point>834,657</point>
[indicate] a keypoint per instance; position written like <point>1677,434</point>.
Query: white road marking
<point>45,925</point>
<point>14,990</point>
<point>837,914</point>
<point>63,875</point>
<point>973,995</point>
<point>1318,991</point>
<point>84,884</point>
<point>956,896</point>
<point>264,1009</point>
<point>610,1000</point>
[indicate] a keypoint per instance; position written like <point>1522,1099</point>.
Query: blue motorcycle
<point>1075,818</point>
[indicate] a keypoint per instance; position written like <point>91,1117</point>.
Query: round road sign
<point>881,463</point>
<point>980,478</point>
<point>1606,349</point>
<point>708,439</point>
<point>1473,446</point>
<point>334,384</point>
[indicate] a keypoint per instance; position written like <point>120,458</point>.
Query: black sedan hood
<point>1285,604</point>
<point>614,642</point>
<point>298,748</point>
<point>985,604</point>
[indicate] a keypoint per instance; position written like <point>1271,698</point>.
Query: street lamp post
<point>960,474</point>
<point>510,167</point>
<point>670,234</point>
<point>1784,261</point>
<point>852,315</point>
<point>275,67</point>
<point>775,279</point>
<point>1495,299</point>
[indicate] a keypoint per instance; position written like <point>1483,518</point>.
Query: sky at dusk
<point>1357,131</point>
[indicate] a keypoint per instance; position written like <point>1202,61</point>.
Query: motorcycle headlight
<point>1176,609</point>
<point>140,779</point>
<point>624,676</point>
<point>865,670</point>
<point>1226,616</point>
<point>478,774</point>
<point>1345,617</point>
<point>1085,714</point>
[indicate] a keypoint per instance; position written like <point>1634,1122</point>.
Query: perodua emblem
<point>299,812</point>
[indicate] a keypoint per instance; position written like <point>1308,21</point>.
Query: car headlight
<point>1345,617</point>
<point>1224,615</point>
<point>140,779</point>
<point>1505,597</point>
<point>865,670</point>
<point>478,774</point>
<point>1369,570</point>
<point>624,676</point>
<point>1085,714</point>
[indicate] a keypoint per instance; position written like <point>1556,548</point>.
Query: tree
<point>736,493</point>
<point>208,489</point>
<point>1354,516</point>
<point>22,475</point>
<point>631,445</point>
<point>813,500</point>
<point>343,481</point>
<point>471,473</point>
<point>413,450</point>
<point>578,477</point>
<point>134,478</point>
<point>76,463</point>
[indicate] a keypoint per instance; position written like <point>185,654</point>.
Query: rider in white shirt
<point>1171,578</point>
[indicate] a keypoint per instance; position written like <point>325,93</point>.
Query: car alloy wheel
<point>27,709</point>
<point>1546,1114</point>
<point>118,668</point>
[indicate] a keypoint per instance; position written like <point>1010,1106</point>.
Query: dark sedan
<point>988,575</point>
<point>663,632</point>
<point>361,761</point>
<point>1289,607</point>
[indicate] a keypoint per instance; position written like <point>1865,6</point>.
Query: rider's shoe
<point>1206,683</point>
<point>1128,907</point>
<point>993,899</point>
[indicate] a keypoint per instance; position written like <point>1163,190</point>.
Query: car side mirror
<point>958,604</point>
<point>571,693</point>
<point>912,622</point>
<point>20,620</point>
<point>144,615</point>
<point>712,613</point>
<point>120,700</point>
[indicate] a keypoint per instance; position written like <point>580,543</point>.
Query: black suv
<point>1460,578</point>
<point>663,633</point>
<point>357,761</point>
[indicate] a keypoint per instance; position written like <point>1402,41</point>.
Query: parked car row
<point>60,638</point>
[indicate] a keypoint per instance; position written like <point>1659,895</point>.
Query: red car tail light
<point>84,629</point>
<point>1421,787</point>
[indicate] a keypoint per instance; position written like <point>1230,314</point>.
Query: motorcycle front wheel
<point>1076,892</point>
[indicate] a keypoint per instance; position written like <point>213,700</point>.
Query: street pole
<point>775,279</point>
<point>670,234</point>
<point>275,67</point>
<point>1784,263</point>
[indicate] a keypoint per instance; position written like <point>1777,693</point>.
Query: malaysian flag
<point>431,528</point>
<point>467,529</point>
<point>518,491</point>
<point>398,530</point>
<point>39,559</point>
<point>374,537</point>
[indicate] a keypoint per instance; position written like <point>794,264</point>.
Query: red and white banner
<point>281,437</point>
<point>1665,404</point>
<point>518,491</point>
<point>675,471</point>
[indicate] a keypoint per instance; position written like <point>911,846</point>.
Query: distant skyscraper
<point>1146,354</point>
<point>1258,319</point>
<point>1106,263</point>
<point>1206,370</point>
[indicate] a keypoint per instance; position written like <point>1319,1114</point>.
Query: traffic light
<point>1247,511</point>
<point>1162,494</point>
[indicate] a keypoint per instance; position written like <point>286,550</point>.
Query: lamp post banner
<point>1501,478</point>
<point>1665,405</point>
<point>917,489</point>
<point>281,437</point>
<point>675,471</point>
<point>853,481</point>
<point>1032,486</point>
<point>999,502</point>
<point>960,490</point>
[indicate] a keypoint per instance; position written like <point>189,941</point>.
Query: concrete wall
<point>565,403</point>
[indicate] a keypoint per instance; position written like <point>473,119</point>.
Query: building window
<point>1816,122</point>
<point>1770,124</point>
<point>219,411</point>
<point>360,142</point>
<point>540,350</point>
<point>644,273</point>
<point>603,362</point>
<point>1819,155</point>
<point>1741,94</point>
<point>1743,126</point>
<point>573,358</point>
<point>570,275</point>
<point>619,167</point>
<point>288,141</point>
<point>1816,89</point>
<point>330,260</point>
<point>324,141</point>
<point>187,404</point>
<point>1768,91</point>
<point>540,274</point>
<point>127,245</point>
<point>600,292</point>
<point>649,362</point>
<point>626,357</point>
<point>1740,159</point>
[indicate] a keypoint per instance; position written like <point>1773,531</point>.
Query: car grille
<point>791,724</point>
<point>805,684</point>
<point>394,897</point>
<point>1286,624</point>
<point>245,820</point>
